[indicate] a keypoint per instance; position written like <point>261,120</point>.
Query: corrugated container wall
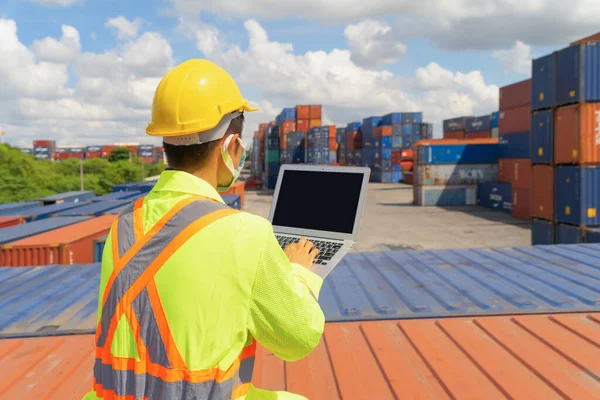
<point>516,95</point>
<point>23,231</point>
<point>455,124</point>
<point>92,209</point>
<point>515,120</point>
<point>457,154</point>
<point>478,124</point>
<point>577,134</point>
<point>442,196</point>
<point>542,232</point>
<point>74,196</point>
<point>43,212</point>
<point>495,195</point>
<point>568,234</point>
<point>515,146</point>
<point>7,222</point>
<point>577,195</point>
<point>521,203</point>
<point>577,71</point>
<point>455,174</point>
<point>542,196</point>
<point>542,132</point>
<point>543,82</point>
<point>16,208</point>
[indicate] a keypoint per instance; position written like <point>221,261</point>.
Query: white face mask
<point>235,172</point>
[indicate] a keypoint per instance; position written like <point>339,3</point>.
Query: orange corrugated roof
<point>535,357</point>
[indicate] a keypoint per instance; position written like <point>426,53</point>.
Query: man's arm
<point>285,316</point>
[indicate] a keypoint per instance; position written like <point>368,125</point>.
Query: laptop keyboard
<point>327,249</point>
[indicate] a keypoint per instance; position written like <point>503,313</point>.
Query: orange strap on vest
<point>161,372</point>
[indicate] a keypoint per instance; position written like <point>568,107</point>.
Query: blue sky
<point>440,62</point>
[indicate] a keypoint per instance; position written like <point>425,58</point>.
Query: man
<point>189,285</point>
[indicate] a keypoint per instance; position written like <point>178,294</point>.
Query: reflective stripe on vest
<point>161,372</point>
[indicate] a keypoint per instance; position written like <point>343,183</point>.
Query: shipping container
<point>99,248</point>
<point>68,245</point>
<point>115,196</point>
<point>495,133</point>
<point>542,192</point>
<point>517,145</point>
<point>592,235</point>
<point>517,95</point>
<point>521,174</point>
<point>232,200</point>
<point>455,124</point>
<point>315,112</point>
<point>43,212</point>
<point>455,174</point>
<point>94,209</point>
<point>457,153</point>
<point>12,207</point>
<point>577,134</point>
<point>578,195</point>
<point>521,203</point>
<point>577,74</point>
<point>392,119</point>
<point>302,125</point>
<point>568,234</point>
<point>505,170</point>
<point>542,232</point>
<point>592,38</point>
<point>408,178</point>
<point>26,150</point>
<point>478,124</point>
<point>127,187</point>
<point>495,195</point>
<point>312,123</point>
<point>494,120</point>
<point>7,222</point>
<point>543,82</point>
<point>302,113</point>
<point>412,117</point>
<point>479,135</point>
<point>238,188</point>
<point>18,232</point>
<point>382,177</point>
<point>542,137</point>
<point>44,143</point>
<point>454,135</point>
<point>515,120</point>
<point>68,197</point>
<point>442,196</point>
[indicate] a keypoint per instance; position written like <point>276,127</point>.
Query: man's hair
<point>185,158</point>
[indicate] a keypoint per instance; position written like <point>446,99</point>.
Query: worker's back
<point>196,299</point>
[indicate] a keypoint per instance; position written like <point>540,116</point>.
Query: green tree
<point>119,154</point>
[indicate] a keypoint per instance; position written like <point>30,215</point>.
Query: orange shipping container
<point>521,203</point>
<point>5,222</point>
<point>515,120</point>
<point>332,132</point>
<point>406,166</point>
<point>577,134</point>
<point>287,127</point>
<point>542,192</point>
<point>506,167</point>
<point>315,112</point>
<point>314,122</point>
<point>69,245</point>
<point>302,125</point>
<point>302,112</point>
<point>454,135</point>
<point>521,175</point>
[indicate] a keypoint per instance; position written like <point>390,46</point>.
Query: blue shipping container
<point>478,124</point>
<point>384,142</point>
<point>288,114</point>
<point>18,232</point>
<point>542,232</point>
<point>577,194</point>
<point>577,74</point>
<point>99,248</point>
<point>397,142</point>
<point>232,200</point>
<point>352,127</point>
<point>426,131</point>
<point>543,82</point>
<point>455,124</point>
<point>371,122</point>
<point>442,196</point>
<point>495,195</point>
<point>568,234</point>
<point>127,187</point>
<point>457,154</point>
<point>71,197</point>
<point>494,121</point>
<point>515,145</point>
<point>412,118</point>
<point>382,165</point>
<point>592,235</point>
<point>382,177</point>
<point>396,176</point>
<point>10,208</point>
<point>147,187</point>
<point>43,212</point>
<point>411,129</point>
<point>93,149</point>
<point>542,137</point>
<point>115,196</point>
<point>391,119</point>
<point>93,209</point>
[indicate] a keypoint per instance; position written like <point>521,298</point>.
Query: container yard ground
<point>391,222</point>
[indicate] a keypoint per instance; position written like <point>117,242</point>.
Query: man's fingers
<point>314,251</point>
<point>302,242</point>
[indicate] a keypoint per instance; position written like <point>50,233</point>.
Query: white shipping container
<point>455,174</point>
<point>442,196</point>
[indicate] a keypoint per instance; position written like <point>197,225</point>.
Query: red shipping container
<point>377,131</point>
<point>406,155</point>
<point>406,166</point>
<point>521,174</point>
<point>62,156</point>
<point>592,38</point>
<point>107,149</point>
<point>287,127</point>
<point>350,140</point>
<point>479,135</point>
<point>506,166</point>
<point>577,134</point>
<point>148,160</point>
<point>408,178</point>
<point>314,122</point>
<point>94,154</point>
<point>521,203</point>
<point>80,156</point>
<point>515,95</point>
<point>315,112</point>
<point>43,143</point>
<point>302,125</point>
<point>69,245</point>
<point>542,192</point>
<point>454,135</point>
<point>5,222</point>
<point>515,120</point>
<point>396,157</point>
<point>302,112</point>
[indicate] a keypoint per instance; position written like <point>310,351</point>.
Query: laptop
<point>323,204</point>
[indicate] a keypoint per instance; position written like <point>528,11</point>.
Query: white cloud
<point>372,44</point>
<point>55,3</point>
<point>59,51</point>
<point>149,55</point>
<point>450,24</point>
<point>516,59</point>
<point>93,36</point>
<point>125,28</point>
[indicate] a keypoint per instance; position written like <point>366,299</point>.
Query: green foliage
<point>119,154</point>
<point>23,178</point>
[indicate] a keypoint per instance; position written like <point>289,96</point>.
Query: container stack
<point>478,127</point>
<point>272,162</point>
<point>293,148</point>
<point>514,127</point>
<point>353,143</point>
<point>494,123</point>
<point>77,152</point>
<point>367,154</point>
<point>333,145</point>
<point>44,149</point>
<point>146,153</point>
<point>455,128</point>
<point>403,161</point>
<point>255,165</point>
<point>566,145</point>
<point>93,152</point>
<point>318,145</point>
<point>382,163</point>
<point>342,146</point>
<point>62,153</point>
<point>448,173</point>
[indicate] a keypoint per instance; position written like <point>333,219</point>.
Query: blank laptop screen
<point>319,200</point>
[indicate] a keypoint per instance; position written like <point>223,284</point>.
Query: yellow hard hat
<point>192,98</point>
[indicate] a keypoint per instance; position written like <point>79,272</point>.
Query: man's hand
<point>303,252</point>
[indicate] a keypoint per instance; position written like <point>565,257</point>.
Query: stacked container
<point>448,173</point>
<point>514,127</point>
<point>353,143</point>
<point>93,152</point>
<point>494,124</point>
<point>272,161</point>
<point>342,146</point>
<point>455,128</point>
<point>44,149</point>
<point>146,153</point>
<point>566,153</point>
<point>382,163</point>
<point>318,145</point>
<point>26,150</point>
<point>333,145</point>
<point>478,127</point>
<point>293,148</point>
<point>62,153</point>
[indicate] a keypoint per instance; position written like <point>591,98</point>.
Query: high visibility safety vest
<point>160,372</point>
